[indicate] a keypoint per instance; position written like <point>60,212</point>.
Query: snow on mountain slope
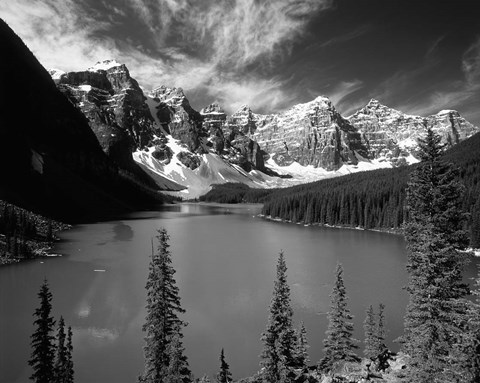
<point>212,169</point>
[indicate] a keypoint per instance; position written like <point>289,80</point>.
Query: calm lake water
<point>225,259</point>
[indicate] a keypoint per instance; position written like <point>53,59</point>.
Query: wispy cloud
<point>459,94</point>
<point>471,64</point>
<point>346,37</point>
<point>341,94</point>
<point>208,44</point>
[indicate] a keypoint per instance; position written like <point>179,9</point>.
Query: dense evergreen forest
<point>372,200</point>
<point>236,193</point>
<point>23,234</point>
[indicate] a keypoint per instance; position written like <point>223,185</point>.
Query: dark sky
<point>418,56</point>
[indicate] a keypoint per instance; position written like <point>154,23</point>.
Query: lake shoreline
<point>277,219</point>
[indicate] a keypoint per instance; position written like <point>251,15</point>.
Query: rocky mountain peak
<point>114,105</point>
<point>214,108</point>
<point>105,65</point>
<point>243,109</point>
<point>244,119</point>
<point>56,74</point>
<point>373,104</point>
<point>323,100</point>
<point>173,96</point>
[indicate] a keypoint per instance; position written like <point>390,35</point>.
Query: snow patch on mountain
<point>213,169</point>
<point>55,73</point>
<point>104,65</point>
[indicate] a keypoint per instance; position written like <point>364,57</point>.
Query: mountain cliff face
<point>313,133</point>
<point>114,105</point>
<point>391,136</point>
<point>50,160</point>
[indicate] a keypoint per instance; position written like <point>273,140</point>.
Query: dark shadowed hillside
<point>50,160</point>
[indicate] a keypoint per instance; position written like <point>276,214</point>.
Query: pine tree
<point>61,361</point>
<point>162,323</point>
<point>374,327</point>
<point>370,327</point>
<point>475,226</point>
<point>339,345</point>
<point>43,347</point>
<point>177,370</point>
<point>69,369</point>
<point>279,338</point>
<point>471,340</point>
<point>380,329</point>
<point>301,350</point>
<point>434,234</point>
<point>465,354</point>
<point>224,375</point>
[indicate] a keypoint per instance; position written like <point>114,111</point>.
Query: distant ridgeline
<point>23,234</point>
<point>371,200</point>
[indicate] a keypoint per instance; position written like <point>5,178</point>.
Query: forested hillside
<point>23,234</point>
<point>236,193</point>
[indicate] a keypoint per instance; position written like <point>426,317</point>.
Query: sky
<point>417,56</point>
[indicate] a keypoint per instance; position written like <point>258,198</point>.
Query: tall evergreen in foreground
<point>381,332</point>
<point>43,347</point>
<point>279,338</point>
<point>369,326</point>
<point>224,375</point>
<point>177,370</point>
<point>69,364</point>
<point>61,362</point>
<point>163,350</point>
<point>339,346</point>
<point>436,312</point>
<point>374,327</point>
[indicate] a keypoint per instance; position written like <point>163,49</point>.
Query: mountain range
<point>187,151</point>
<point>86,133</point>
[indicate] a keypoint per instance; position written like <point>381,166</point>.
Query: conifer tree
<point>279,338</point>
<point>339,346</point>
<point>374,327</point>
<point>434,233</point>
<point>162,324</point>
<point>381,332</point>
<point>224,375</point>
<point>371,341</point>
<point>475,226</point>
<point>471,340</point>
<point>301,351</point>
<point>177,370</point>
<point>43,347</point>
<point>61,361</point>
<point>69,369</point>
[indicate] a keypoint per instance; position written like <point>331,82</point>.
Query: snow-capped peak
<point>104,65</point>
<point>446,111</point>
<point>373,102</point>
<point>213,108</point>
<point>56,73</point>
<point>323,99</point>
<point>243,108</point>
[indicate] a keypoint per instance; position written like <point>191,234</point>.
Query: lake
<point>225,258</point>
